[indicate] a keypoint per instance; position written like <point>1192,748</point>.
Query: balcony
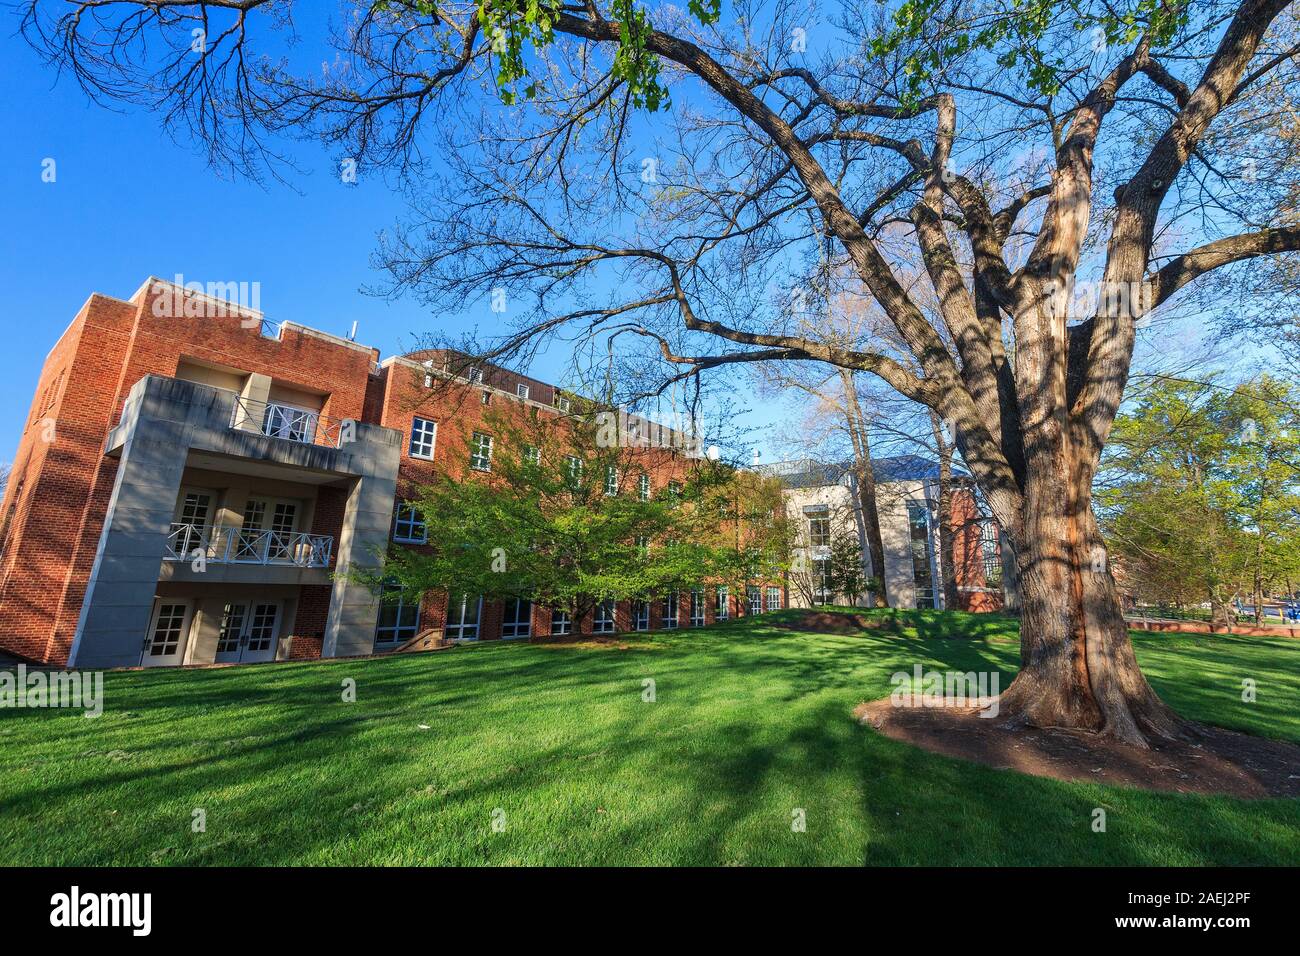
<point>218,545</point>
<point>285,421</point>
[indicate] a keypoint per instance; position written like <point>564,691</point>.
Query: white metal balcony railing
<point>237,546</point>
<point>285,421</point>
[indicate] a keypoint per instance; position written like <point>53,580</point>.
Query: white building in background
<point>823,500</point>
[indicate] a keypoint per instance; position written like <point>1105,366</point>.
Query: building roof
<point>809,473</point>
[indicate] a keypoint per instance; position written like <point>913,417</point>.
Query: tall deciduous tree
<point>1024,151</point>
<point>1201,492</point>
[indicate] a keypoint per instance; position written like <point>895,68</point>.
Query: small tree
<point>560,520</point>
<point>846,577</point>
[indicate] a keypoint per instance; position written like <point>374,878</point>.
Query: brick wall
<point>58,494</point>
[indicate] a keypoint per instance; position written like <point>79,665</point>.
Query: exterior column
<point>354,609</point>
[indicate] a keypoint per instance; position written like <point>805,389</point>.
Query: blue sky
<point>128,203</point>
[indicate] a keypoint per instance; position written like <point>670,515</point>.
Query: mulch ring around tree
<point>1211,761</point>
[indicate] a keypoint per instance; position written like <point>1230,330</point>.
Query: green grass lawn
<point>751,722</point>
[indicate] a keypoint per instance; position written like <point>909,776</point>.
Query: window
<point>424,434</point>
<point>480,452</point>
<point>670,612</point>
<point>409,526</point>
<point>918,521</point>
<point>643,486</point>
<point>522,391</point>
<point>611,480</point>
<point>821,573</point>
<point>991,554</point>
<point>561,623</point>
<point>399,615</point>
<point>463,617</point>
<point>532,455</point>
<point>561,403</point>
<point>675,491</point>
<point>475,376</point>
<point>754,600</point>
<point>697,607</point>
<point>574,467</point>
<point>604,623</point>
<point>819,532</point>
<point>517,619</point>
<point>774,599</point>
<point>724,605</point>
<point>487,397</point>
<point>641,615</point>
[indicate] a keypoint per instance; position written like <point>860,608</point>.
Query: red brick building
<point>191,478</point>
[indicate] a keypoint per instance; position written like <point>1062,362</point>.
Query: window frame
<point>476,449</point>
<point>643,486</point>
<point>611,481</point>
<point>416,519</point>
<point>722,603</point>
<point>417,435</point>
<point>516,629</point>
<point>397,628</point>
<point>699,610</point>
<point>561,623</point>
<point>602,623</point>
<point>773,592</point>
<point>462,627</point>
<point>669,621</point>
<point>522,391</point>
<point>640,615</point>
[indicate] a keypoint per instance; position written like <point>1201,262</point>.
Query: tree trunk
<point>947,531</point>
<point>1221,613</point>
<point>866,478</point>
<point>1078,669</point>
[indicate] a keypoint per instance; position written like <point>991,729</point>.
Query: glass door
<point>169,632</point>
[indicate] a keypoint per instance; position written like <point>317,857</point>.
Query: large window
<point>697,607</point>
<point>409,526</point>
<point>424,435</point>
<point>517,618</point>
<point>821,581</point>
<point>604,623</point>
<point>754,599</point>
<point>991,554</point>
<point>561,623</point>
<point>641,615</point>
<point>918,522</point>
<point>463,613</point>
<point>670,612</point>
<point>399,615</point>
<point>774,599</point>
<point>480,452</point>
<point>819,531</point>
<point>724,604</point>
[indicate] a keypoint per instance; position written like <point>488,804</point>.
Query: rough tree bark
<point>866,478</point>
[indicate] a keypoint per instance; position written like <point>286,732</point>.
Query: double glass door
<point>268,529</point>
<point>248,634</point>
